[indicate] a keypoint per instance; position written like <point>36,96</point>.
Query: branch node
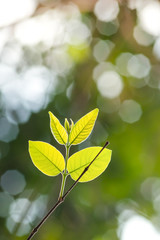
<point>86,169</point>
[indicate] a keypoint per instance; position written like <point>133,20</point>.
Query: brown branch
<point>60,200</point>
<point>84,171</point>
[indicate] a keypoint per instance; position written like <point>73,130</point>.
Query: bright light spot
<point>102,50</point>
<point>149,17</point>
<point>23,229</point>
<point>5,200</point>
<point>53,28</point>
<point>15,108</point>
<point>69,90</point>
<point>37,82</point>
<point>77,32</point>
<point>69,10</point>
<point>107,28</point>
<point>59,60</point>
<point>17,112</point>
<point>12,54</point>
<point>122,62</point>
<point>110,84</point>
<point>139,66</point>
<point>48,28</point>
<point>4,36</point>
<point>13,182</point>
<point>155,190</point>
<point>106,10</point>
<point>130,111</point>
<point>153,79</point>
<point>102,67</point>
<point>156,49</point>
<point>147,190</point>
<point>8,131</point>
<point>40,204</point>
<point>27,92</point>
<point>156,203</point>
<point>23,213</point>
<point>7,74</point>
<point>12,11</point>
<point>142,37</point>
<point>135,4</point>
<point>22,210</point>
<point>138,227</point>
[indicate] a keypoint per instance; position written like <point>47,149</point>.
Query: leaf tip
<point>50,113</point>
<point>29,145</point>
<point>96,110</point>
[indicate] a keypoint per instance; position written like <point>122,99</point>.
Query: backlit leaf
<point>83,127</point>
<point>66,125</point>
<point>46,158</point>
<point>58,130</point>
<point>80,160</point>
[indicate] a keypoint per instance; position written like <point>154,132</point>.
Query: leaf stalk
<point>64,174</point>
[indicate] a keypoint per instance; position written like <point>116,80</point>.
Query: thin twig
<point>61,199</point>
<point>84,171</point>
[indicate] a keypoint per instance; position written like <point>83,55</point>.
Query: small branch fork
<point>61,199</point>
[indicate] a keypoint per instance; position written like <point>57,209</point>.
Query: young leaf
<point>82,129</point>
<point>72,124</point>
<point>66,125</point>
<point>58,130</point>
<point>80,160</point>
<point>46,158</point>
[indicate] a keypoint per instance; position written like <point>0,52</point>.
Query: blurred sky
<point>70,57</point>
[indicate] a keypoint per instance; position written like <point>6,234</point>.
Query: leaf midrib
<point>58,131</point>
<point>83,165</point>
<point>48,159</point>
<point>79,167</point>
<point>81,130</point>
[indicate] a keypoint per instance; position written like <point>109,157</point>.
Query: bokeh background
<point>70,57</point>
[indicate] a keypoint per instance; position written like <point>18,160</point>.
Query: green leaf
<point>72,124</point>
<point>80,160</point>
<point>82,129</point>
<point>66,125</point>
<point>58,130</point>
<point>46,158</point>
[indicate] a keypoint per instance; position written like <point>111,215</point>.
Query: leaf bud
<point>72,124</point>
<point>66,125</point>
